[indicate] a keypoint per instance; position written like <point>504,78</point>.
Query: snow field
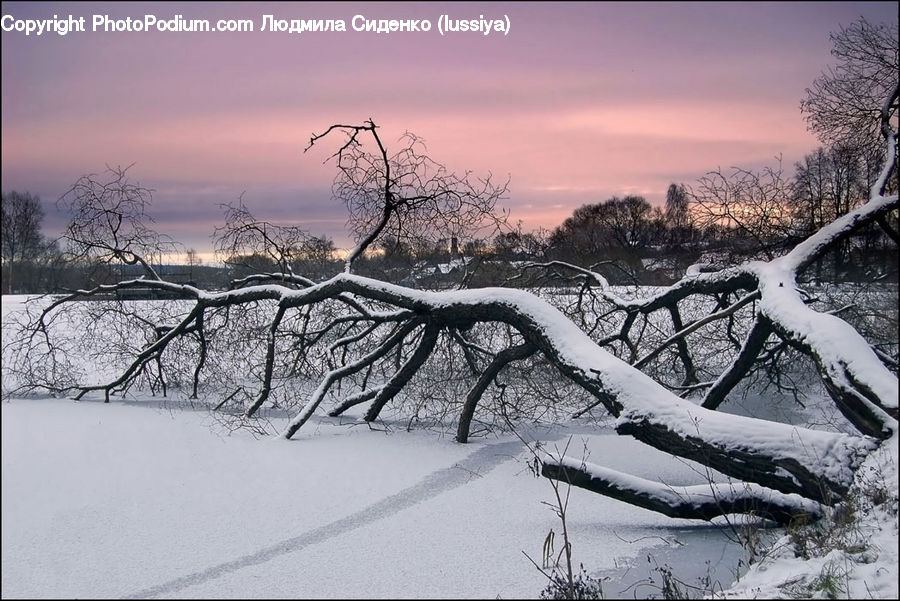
<point>126,500</point>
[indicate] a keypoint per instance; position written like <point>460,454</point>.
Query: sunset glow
<point>579,102</point>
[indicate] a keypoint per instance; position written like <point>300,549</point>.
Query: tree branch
<point>698,502</point>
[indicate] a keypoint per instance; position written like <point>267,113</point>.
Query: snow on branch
<point>698,502</point>
<point>790,459</point>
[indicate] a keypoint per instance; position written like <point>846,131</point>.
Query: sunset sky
<point>579,102</point>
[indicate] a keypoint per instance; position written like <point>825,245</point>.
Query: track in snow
<point>479,462</point>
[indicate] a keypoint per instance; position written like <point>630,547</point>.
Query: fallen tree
<point>365,340</point>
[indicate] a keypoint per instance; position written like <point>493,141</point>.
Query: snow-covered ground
<point>852,555</point>
<point>147,500</point>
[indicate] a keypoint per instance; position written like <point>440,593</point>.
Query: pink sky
<point>580,102</point>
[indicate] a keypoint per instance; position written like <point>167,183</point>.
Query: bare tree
<point>827,184</point>
<point>746,213</point>
<point>193,258</point>
<point>611,230</point>
<point>318,258</point>
<point>244,236</point>
<point>407,196</point>
<point>678,215</point>
<point>630,221</point>
<point>22,214</point>
<point>843,105</point>
<point>110,221</point>
<point>518,244</point>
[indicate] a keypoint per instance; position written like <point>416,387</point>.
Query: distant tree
<point>317,257</point>
<point>630,221</point>
<point>677,216</point>
<point>614,228</point>
<point>193,259</point>
<point>519,245</point>
<point>580,237</point>
<point>49,270</point>
<point>396,250</point>
<point>743,212</point>
<point>22,215</point>
<point>239,264</point>
<point>506,245</point>
<point>320,248</point>
<point>271,246</point>
<point>827,184</point>
<point>474,248</point>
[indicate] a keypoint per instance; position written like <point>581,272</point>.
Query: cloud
<point>578,103</point>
